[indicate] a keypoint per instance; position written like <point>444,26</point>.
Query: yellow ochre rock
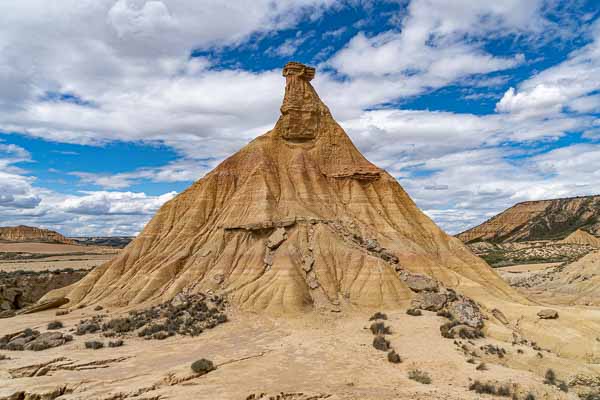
<point>296,220</point>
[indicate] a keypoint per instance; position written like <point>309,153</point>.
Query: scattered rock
<point>547,313</point>
<point>414,312</point>
<point>465,311</point>
<point>33,340</point>
<point>429,301</point>
<point>419,283</point>
<point>276,238</point>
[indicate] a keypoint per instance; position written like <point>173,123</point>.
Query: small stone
<point>547,313</point>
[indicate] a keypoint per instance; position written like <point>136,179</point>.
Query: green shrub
<point>378,315</point>
<point>94,344</point>
<point>202,366</point>
<point>394,357</point>
<point>380,343</point>
<point>550,377</point>
<point>55,325</point>
<point>379,328</point>
<point>419,376</point>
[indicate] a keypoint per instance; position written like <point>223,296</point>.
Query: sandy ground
<point>51,248</point>
<point>67,256</point>
<point>527,267</point>
<point>80,262</point>
<point>316,354</point>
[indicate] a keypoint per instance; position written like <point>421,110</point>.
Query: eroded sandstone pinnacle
<point>296,220</point>
<point>302,109</point>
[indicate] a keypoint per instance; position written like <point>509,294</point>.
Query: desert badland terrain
<point>299,270</point>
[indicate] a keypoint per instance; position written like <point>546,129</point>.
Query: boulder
<point>429,301</point>
<point>276,238</point>
<point>45,341</point>
<point>547,313</point>
<point>466,312</point>
<point>419,283</point>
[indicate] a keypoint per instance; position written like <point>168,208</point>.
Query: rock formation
<point>539,220</point>
<point>20,289</point>
<point>297,219</point>
<point>583,238</point>
<point>24,233</point>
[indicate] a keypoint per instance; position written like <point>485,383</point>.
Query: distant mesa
<point>297,220</point>
<point>539,220</point>
<point>24,233</point>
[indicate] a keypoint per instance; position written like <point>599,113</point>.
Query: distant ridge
<point>553,219</point>
<point>24,233</point>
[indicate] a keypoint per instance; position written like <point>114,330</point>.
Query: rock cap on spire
<point>294,68</point>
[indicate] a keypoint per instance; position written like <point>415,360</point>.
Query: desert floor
<point>323,355</point>
<point>47,256</point>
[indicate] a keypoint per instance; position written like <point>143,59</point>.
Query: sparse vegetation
<point>550,379</point>
<point>380,343</point>
<point>379,328</point>
<point>94,344</point>
<point>55,325</point>
<point>394,357</point>
<point>378,315</point>
<point>490,388</point>
<point>202,366</point>
<point>419,376</point>
<point>414,312</point>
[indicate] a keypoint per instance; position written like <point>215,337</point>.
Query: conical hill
<point>297,219</point>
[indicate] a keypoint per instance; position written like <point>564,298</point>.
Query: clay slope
<point>583,238</point>
<point>539,220</point>
<point>574,283</point>
<point>295,220</point>
<point>24,233</point>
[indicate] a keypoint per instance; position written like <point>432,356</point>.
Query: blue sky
<point>118,105</point>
